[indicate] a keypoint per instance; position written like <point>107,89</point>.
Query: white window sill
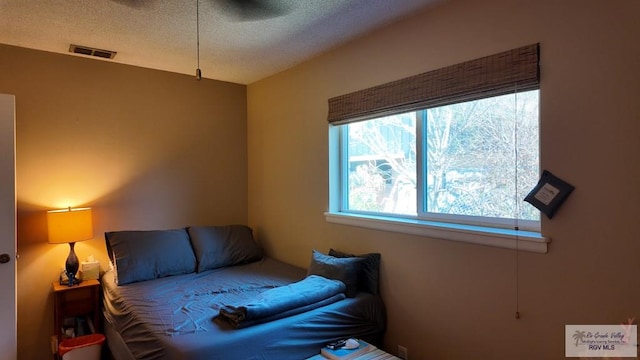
<point>502,238</point>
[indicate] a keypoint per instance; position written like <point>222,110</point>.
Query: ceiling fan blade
<point>248,10</point>
<point>136,4</point>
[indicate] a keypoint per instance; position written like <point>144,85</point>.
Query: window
<point>467,153</point>
<point>459,164</point>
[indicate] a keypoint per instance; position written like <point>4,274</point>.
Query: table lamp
<point>68,226</point>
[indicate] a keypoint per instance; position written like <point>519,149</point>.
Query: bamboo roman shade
<point>492,75</point>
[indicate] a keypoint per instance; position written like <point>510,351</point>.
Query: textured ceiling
<point>161,34</point>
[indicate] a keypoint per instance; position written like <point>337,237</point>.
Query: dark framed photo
<point>549,193</point>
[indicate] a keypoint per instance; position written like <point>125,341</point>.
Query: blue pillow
<point>146,255</point>
<point>346,270</point>
<point>219,246</point>
<point>370,274</point>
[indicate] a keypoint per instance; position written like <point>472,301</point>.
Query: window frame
<point>440,226</point>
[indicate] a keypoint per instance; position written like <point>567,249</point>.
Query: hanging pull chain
<point>198,71</point>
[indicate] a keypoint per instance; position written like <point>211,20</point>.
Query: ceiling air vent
<point>85,50</point>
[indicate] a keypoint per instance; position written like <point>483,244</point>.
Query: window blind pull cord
<point>517,203</point>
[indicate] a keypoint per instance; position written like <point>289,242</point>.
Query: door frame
<point>8,244</point>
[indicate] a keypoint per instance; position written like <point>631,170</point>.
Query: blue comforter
<point>307,294</point>
<point>172,317</point>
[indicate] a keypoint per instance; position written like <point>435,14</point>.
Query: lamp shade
<point>69,225</point>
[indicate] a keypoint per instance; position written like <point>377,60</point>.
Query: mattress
<point>172,317</point>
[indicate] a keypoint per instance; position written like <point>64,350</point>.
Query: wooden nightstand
<point>76,308</point>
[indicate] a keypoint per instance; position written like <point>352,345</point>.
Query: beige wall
<point>146,149</point>
<point>149,149</point>
<point>450,300</point>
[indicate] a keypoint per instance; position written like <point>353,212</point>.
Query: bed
<point>177,294</point>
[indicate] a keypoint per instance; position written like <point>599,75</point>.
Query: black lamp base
<point>71,267</point>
